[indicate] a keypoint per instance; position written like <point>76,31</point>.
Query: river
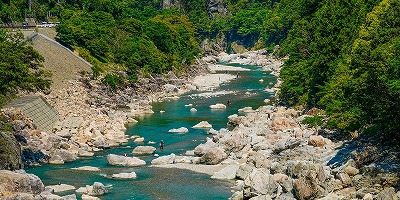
<point>158,183</point>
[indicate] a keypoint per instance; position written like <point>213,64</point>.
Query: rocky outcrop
<point>217,8</point>
<point>276,157</point>
<point>237,48</point>
<point>124,161</point>
<point>10,152</point>
<point>212,47</point>
<point>19,182</point>
<point>168,4</point>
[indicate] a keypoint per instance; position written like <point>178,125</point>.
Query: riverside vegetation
<point>342,67</point>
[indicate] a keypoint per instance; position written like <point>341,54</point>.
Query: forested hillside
<point>344,55</point>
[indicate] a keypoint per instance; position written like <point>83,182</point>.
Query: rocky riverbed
<point>271,155</point>
<point>268,153</point>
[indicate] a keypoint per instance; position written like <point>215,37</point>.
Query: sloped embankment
<point>62,62</point>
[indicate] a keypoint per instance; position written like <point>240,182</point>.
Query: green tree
<point>20,67</point>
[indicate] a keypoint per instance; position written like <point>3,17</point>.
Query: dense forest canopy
<point>343,55</point>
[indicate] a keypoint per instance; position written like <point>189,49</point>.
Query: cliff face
<point>10,152</point>
<point>217,7</point>
<point>167,4</point>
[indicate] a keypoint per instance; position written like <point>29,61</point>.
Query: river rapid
<point>159,183</point>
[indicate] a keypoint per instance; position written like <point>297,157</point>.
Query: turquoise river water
<point>158,183</point>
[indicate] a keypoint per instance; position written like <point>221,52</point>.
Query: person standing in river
<point>162,145</point>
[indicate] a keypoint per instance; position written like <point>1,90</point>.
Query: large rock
<point>310,182</point>
<point>244,170</point>
<point>100,142</point>
<point>84,153</point>
<point>282,123</point>
<point>305,189</point>
<point>203,124</point>
<point>65,155</point>
<point>260,182</point>
<point>10,152</point>
<point>56,160</point>
<point>351,171</point>
<point>201,149</point>
<point>144,150</point>
<point>131,175</point>
<point>387,194</point>
<point>11,182</point>
<point>284,144</point>
<point>234,120</point>
<point>179,130</point>
<point>170,88</point>
<point>65,133</point>
<point>246,110</point>
<point>234,141</point>
<point>88,197</point>
<point>37,185</point>
<point>316,141</point>
<point>98,189</point>
<point>163,160</point>
<point>218,106</point>
<point>139,140</point>
<point>227,173</point>
<point>213,156</point>
<point>60,188</point>
<point>124,161</point>
<point>345,179</point>
<point>87,168</point>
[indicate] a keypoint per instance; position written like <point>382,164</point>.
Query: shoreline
<point>101,124</point>
<point>271,154</point>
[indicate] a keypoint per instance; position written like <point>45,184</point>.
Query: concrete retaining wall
<point>43,115</point>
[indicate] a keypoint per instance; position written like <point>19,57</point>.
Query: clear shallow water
<point>156,183</point>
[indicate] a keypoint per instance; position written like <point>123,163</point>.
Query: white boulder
<point>227,173</point>
<point>203,124</point>
<point>144,150</point>
<point>139,140</point>
<point>218,106</point>
<point>179,130</point>
<point>131,175</point>
<point>60,188</point>
<point>117,160</point>
<point>87,168</point>
<point>170,159</point>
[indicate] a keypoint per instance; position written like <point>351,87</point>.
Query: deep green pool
<point>156,183</point>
